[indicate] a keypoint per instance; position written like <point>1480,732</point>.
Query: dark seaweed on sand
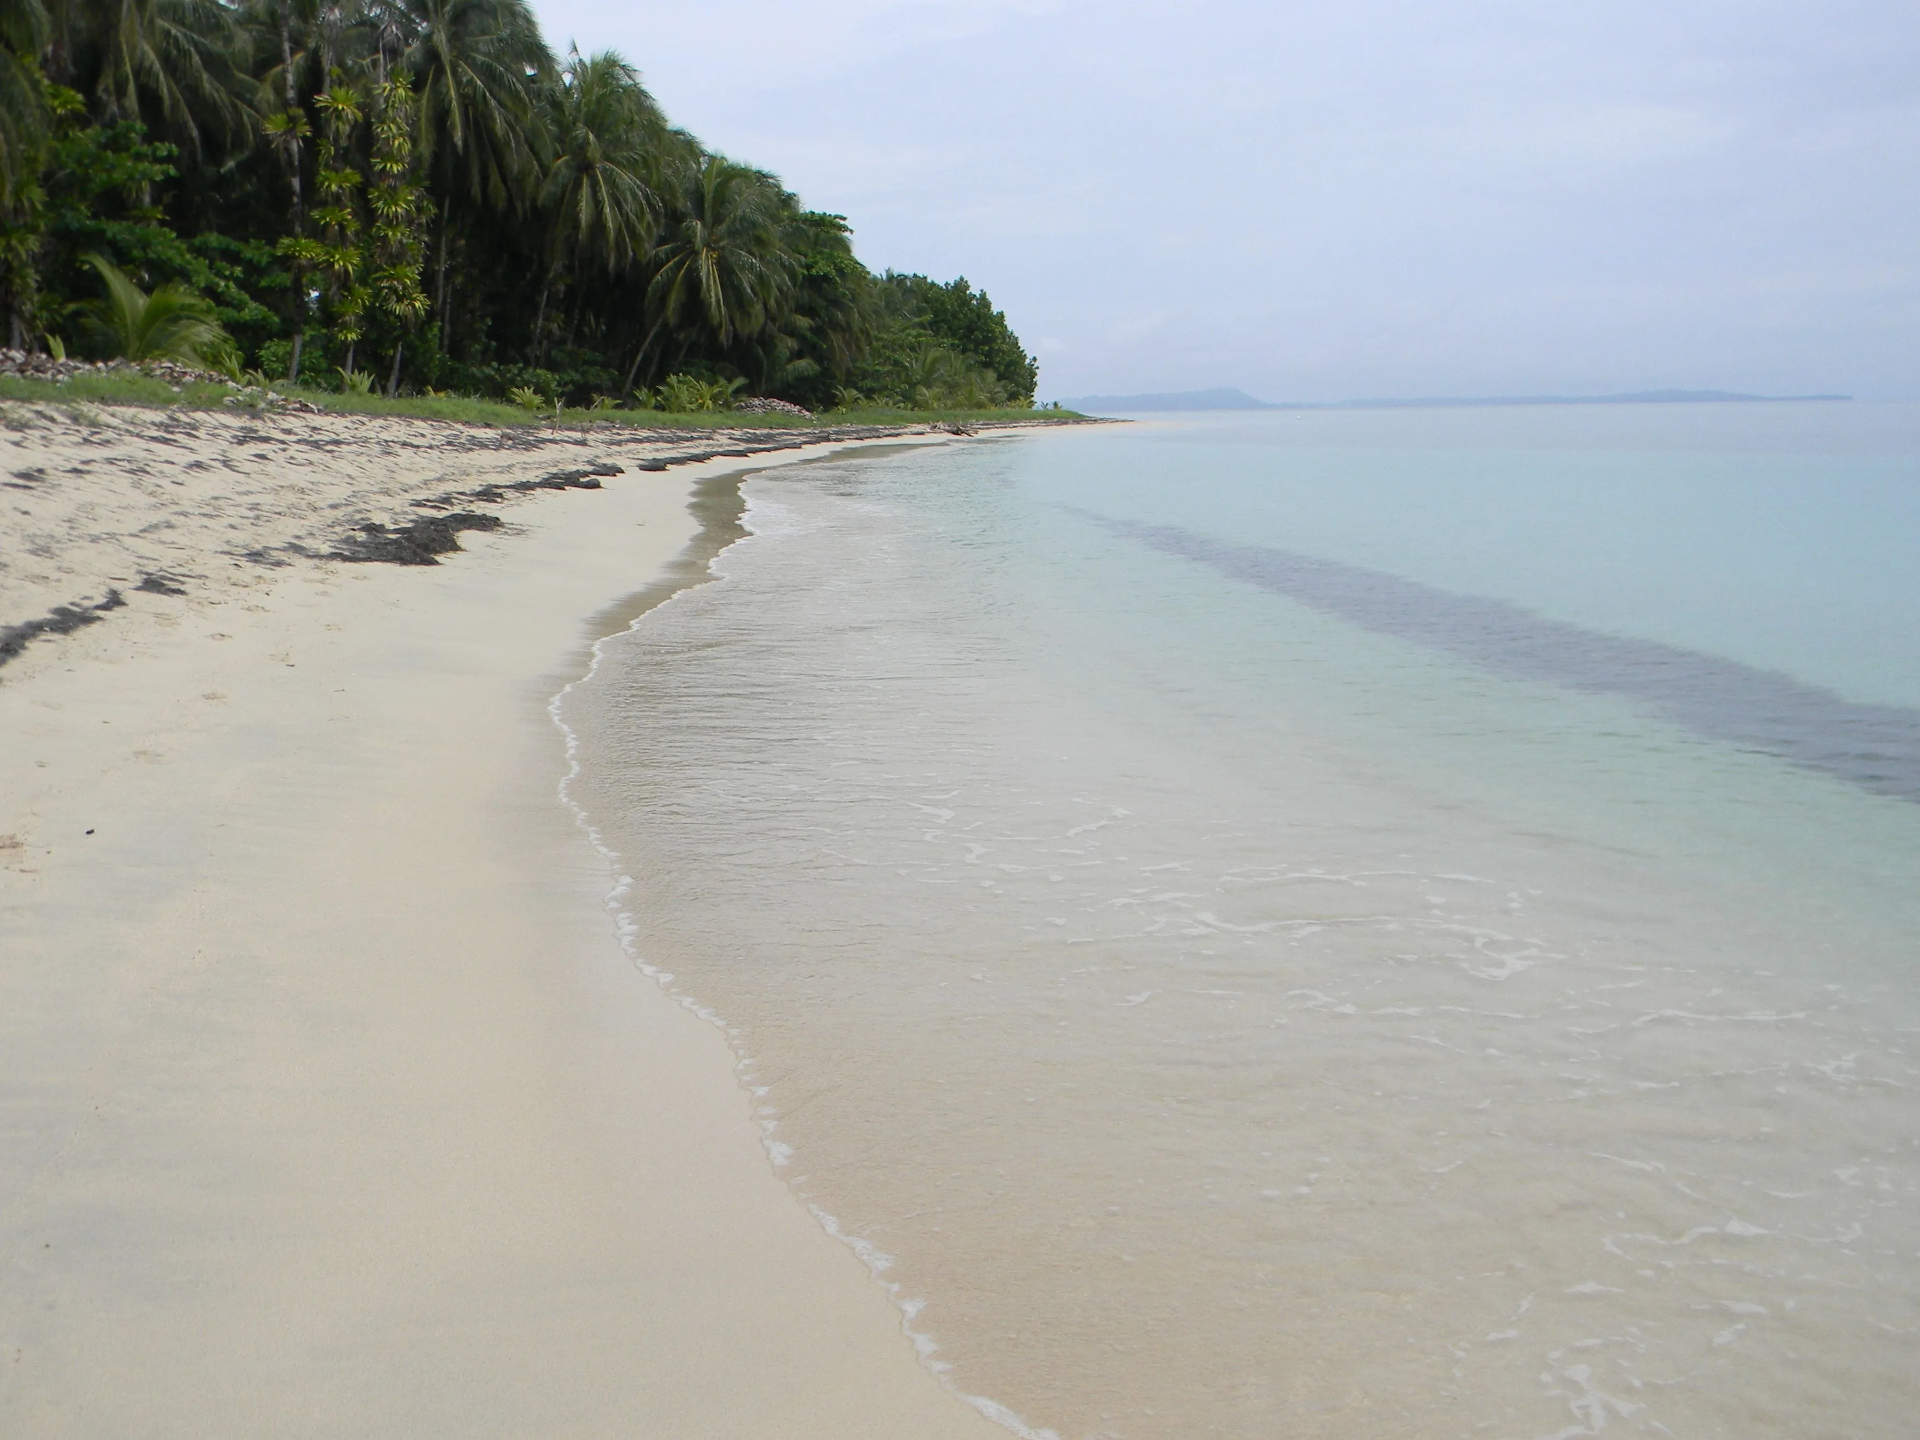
<point>587,479</point>
<point>61,620</point>
<point>421,543</point>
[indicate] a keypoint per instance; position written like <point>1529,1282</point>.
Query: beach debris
<point>766,405</point>
<point>420,543</point>
<point>61,620</point>
<point>46,367</point>
<point>252,397</point>
<point>586,479</point>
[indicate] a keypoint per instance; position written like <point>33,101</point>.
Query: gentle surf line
<point>1876,747</point>
<point>724,513</point>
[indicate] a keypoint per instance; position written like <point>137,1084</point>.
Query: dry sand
<point>329,1103</point>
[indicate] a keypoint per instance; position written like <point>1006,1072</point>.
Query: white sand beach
<point>330,1104</point>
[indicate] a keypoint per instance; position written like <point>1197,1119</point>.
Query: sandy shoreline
<point>329,1104</point>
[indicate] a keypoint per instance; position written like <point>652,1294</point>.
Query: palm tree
<point>721,269</point>
<point>172,323</point>
<point>602,192</point>
<point>828,318</point>
<point>931,373</point>
<point>603,187</point>
<point>478,68</point>
<point>23,110</point>
<point>280,102</point>
<point>175,54</point>
<point>23,133</point>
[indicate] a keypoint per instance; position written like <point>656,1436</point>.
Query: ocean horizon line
<point>1230,398</point>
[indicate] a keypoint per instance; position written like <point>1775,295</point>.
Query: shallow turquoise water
<point>1782,536</point>
<point>1394,923</point>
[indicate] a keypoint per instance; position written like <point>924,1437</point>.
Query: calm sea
<point>1326,924</point>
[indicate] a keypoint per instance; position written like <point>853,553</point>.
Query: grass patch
<point>111,390</point>
<point>459,408</point>
<point>125,389</point>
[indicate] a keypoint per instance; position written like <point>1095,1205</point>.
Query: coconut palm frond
<point>23,106</point>
<point>171,323</point>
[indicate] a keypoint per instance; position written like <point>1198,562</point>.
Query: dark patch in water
<point>1876,747</point>
<point>61,620</point>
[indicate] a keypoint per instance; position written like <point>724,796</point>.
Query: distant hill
<point>1230,399</point>
<point>1637,397</point>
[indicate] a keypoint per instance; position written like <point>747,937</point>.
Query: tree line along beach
<point>425,199</point>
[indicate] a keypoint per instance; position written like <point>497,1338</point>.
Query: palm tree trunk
<point>298,217</point>
<point>540,315</point>
<point>579,304</point>
<point>59,64</point>
<point>633,369</point>
<point>440,285</point>
<point>393,376</point>
<point>14,295</point>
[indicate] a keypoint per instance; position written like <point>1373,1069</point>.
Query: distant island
<point>1227,398</point>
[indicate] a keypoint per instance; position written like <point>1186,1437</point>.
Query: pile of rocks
<point>252,397</point>
<point>45,367</point>
<point>760,405</point>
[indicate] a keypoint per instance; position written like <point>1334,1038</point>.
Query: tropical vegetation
<point>420,197</point>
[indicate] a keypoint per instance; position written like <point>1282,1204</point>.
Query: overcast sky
<point>1377,197</point>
